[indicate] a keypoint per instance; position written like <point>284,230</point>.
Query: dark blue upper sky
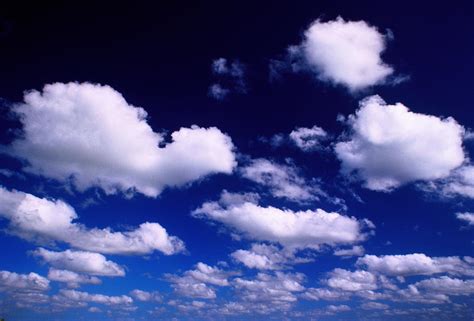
<point>329,176</point>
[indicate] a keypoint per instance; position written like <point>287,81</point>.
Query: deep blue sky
<point>159,58</point>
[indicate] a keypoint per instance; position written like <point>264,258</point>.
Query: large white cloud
<point>390,145</point>
<point>47,220</point>
<point>300,229</point>
<point>416,264</point>
<point>344,53</point>
<point>88,135</point>
<point>80,261</point>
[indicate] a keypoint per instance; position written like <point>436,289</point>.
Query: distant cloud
<point>466,217</point>
<point>11,281</point>
<point>72,279</point>
<point>356,250</point>
<point>268,257</point>
<point>47,221</point>
<point>352,281</point>
<point>145,296</point>
<point>109,143</point>
<point>416,264</point>
<point>308,139</point>
<point>81,262</point>
<point>281,180</point>
<point>293,229</point>
<point>79,297</point>
<point>389,145</point>
<point>230,78</point>
<point>340,52</point>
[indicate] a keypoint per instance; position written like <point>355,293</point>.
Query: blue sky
<point>237,161</point>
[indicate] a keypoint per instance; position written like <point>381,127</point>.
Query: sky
<point>236,160</point>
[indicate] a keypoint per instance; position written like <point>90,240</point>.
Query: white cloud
<point>283,181</point>
<point>466,217</point>
<point>416,264</point>
<point>81,262</point>
<point>301,229</point>
<point>317,294</point>
<point>231,78</point>
<point>374,306</point>
<point>195,283</point>
<point>89,136</point>
<point>308,139</point>
<point>72,279</point>
<point>47,220</point>
<point>356,250</point>
<point>390,145</point>
<point>268,257</point>
<point>32,282</point>
<point>352,281</point>
<point>84,297</point>
<point>145,296</point>
<point>338,308</point>
<point>278,288</point>
<point>446,285</point>
<point>344,53</point>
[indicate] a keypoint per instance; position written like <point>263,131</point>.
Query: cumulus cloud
<point>268,257</point>
<point>416,264</point>
<point>466,217</point>
<point>72,279</point>
<point>80,261</point>
<point>300,229</point>
<point>308,139</point>
<point>340,52</point>
<point>195,283</point>
<point>145,296</point>
<point>389,145</point>
<point>352,281</point>
<point>356,250</point>
<point>31,282</point>
<point>460,183</point>
<point>46,220</point>
<point>282,181</point>
<point>446,285</point>
<point>279,288</point>
<point>85,297</point>
<point>89,136</point>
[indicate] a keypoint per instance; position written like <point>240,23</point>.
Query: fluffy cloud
<point>88,135</point>
<point>80,261</point>
<point>344,53</point>
<point>390,145</point>
<point>32,282</point>
<point>308,139</point>
<point>195,283</point>
<point>352,281</point>
<point>145,296</point>
<point>283,181</point>
<point>45,220</point>
<point>72,279</point>
<point>85,297</point>
<point>317,294</point>
<point>446,285</point>
<point>268,257</point>
<point>466,217</point>
<point>356,250</point>
<point>416,264</point>
<point>301,229</point>
<point>278,289</point>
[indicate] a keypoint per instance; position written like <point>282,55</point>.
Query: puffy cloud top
<point>343,52</point>
<point>91,134</point>
<point>391,145</point>
<point>301,229</point>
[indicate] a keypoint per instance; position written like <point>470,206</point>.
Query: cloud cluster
<point>346,53</point>
<point>389,145</point>
<point>89,136</point>
<point>294,229</point>
<point>81,262</point>
<point>45,220</point>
